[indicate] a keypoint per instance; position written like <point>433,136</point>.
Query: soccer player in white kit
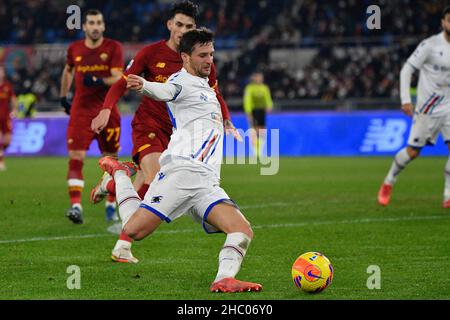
<point>188,181</point>
<point>431,114</point>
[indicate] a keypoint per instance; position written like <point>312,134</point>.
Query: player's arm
<point>117,90</point>
<point>90,80</point>
<point>66,83</point>
<point>155,90</point>
<point>405,85</point>
<point>414,62</point>
<point>116,75</point>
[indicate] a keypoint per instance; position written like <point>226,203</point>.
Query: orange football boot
<point>233,285</point>
<point>384,195</point>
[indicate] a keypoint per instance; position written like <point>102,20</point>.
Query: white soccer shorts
<point>425,130</point>
<point>181,190</point>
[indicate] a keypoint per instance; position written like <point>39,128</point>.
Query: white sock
<point>401,159</point>
<point>232,254</point>
<point>126,196</point>
<point>447,181</point>
<point>122,244</point>
<point>77,205</point>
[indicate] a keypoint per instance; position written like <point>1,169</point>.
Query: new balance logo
<point>384,136</point>
<point>28,137</point>
<point>203,97</point>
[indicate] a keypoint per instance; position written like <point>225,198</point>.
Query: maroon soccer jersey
<point>6,93</point>
<point>98,62</point>
<point>156,62</point>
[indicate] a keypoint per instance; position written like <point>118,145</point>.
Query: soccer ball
<point>312,272</point>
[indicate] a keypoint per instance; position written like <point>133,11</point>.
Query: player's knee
<point>413,152</point>
<point>249,231</point>
<point>243,227</point>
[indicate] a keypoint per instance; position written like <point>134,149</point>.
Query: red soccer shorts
<point>80,135</point>
<point>148,138</point>
<point>6,125</point>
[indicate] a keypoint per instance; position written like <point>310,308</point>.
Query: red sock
<point>111,197</point>
<point>111,187</point>
<point>143,190</point>
<point>75,180</point>
<point>124,237</point>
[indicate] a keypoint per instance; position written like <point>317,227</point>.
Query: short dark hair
<point>445,11</point>
<point>193,37</point>
<point>91,12</point>
<point>187,8</point>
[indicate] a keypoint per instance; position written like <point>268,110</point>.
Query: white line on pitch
<point>269,226</point>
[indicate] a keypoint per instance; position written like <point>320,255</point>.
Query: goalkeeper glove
<point>65,104</point>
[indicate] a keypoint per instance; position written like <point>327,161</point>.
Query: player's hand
<point>135,82</point>
<point>65,104</point>
<point>101,120</point>
<point>89,80</point>
<point>408,109</point>
<point>229,128</point>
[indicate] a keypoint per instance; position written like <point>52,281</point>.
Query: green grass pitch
<point>312,204</point>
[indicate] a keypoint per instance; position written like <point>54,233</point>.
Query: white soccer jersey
<point>432,58</point>
<point>196,116</point>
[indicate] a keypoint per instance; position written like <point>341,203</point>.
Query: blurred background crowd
<point>314,54</point>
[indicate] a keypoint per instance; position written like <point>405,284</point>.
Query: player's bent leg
<point>228,219</point>
<point>75,182</point>
<point>141,224</point>
<point>110,198</point>
<point>138,180</point>
<point>100,191</point>
<point>401,160</point>
<point>149,164</point>
<point>128,201</point>
<point>239,235</point>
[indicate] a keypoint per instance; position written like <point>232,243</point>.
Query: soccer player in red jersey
<point>96,63</point>
<point>8,103</point>
<point>152,125</point>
